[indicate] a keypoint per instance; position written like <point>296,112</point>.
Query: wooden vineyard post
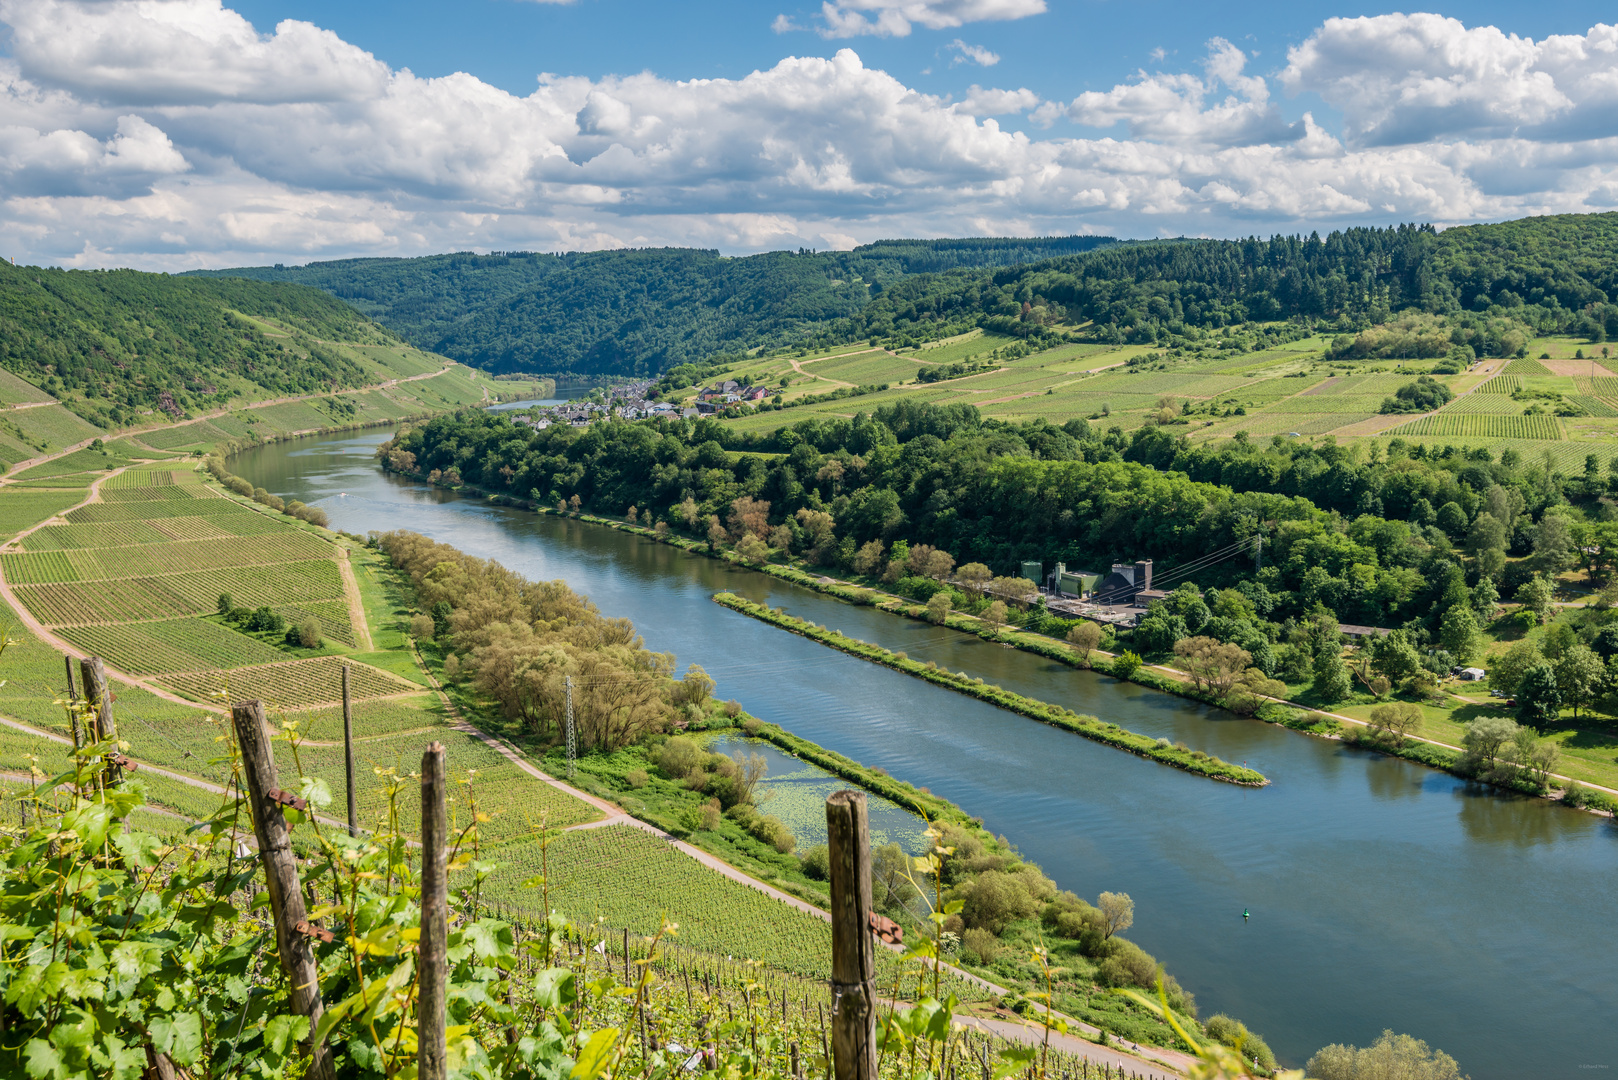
<point>853,951</point>
<point>281,876</point>
<point>72,699</point>
<point>93,674</point>
<point>348,755</point>
<point>432,1051</point>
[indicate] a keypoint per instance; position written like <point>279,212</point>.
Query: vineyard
<point>1595,406</point>
<point>1479,402</point>
<point>374,719</point>
<point>138,511</point>
<point>174,595</point>
<point>1484,426</point>
<point>515,802</point>
<point>152,648</point>
<point>21,509</point>
<point>175,556</point>
<point>1525,366</point>
<point>290,684</point>
<point>632,878</point>
<point>1500,384</point>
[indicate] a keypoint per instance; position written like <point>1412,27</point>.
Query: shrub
<point>421,627</point>
<point>1234,1033</point>
<point>816,862</point>
<point>452,668</point>
<point>733,708</point>
<point>239,486</point>
<point>309,633</point>
<point>981,944</point>
<point>1391,1055</point>
<point>226,603</point>
<point>636,778</point>
<point>1127,964</point>
<point>993,899</point>
<point>679,758</point>
<point>752,725</point>
<point>1127,664</point>
<point>710,815</point>
<point>265,620</point>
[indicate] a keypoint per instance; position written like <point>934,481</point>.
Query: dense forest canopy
<point>1374,537</point>
<point>645,311</point>
<point>636,311</point>
<point>1551,273</point>
<point>112,344</point>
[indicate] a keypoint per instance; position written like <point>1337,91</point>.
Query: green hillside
<point>645,311</point>
<point>1556,274</point>
<point>119,346</point>
<point>628,312</point>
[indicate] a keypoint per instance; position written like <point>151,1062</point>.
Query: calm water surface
<point>558,396</point>
<point>1383,895</point>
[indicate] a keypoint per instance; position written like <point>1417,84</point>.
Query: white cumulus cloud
<point>975,54</point>
<point>1404,79</point>
<point>171,133</point>
<point>895,18</point>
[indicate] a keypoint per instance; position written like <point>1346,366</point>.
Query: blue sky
<point>181,133</point>
<point>1074,45</point>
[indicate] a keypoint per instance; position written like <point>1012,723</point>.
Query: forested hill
<point>1559,273</point>
<point>112,345</point>
<point>635,311</point>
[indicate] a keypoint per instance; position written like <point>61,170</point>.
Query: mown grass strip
<point>1088,726</point>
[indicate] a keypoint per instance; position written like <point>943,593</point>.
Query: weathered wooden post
<point>432,1051</point>
<point>93,674</point>
<point>265,797</point>
<point>348,755</point>
<point>72,699</point>
<point>853,952</point>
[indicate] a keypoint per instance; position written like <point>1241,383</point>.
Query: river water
<point>1382,894</point>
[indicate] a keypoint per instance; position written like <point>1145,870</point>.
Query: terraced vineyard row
<point>153,648</point>
<point>1595,406</point>
<point>150,494</point>
<point>20,510</point>
<point>290,684</point>
<point>1501,384</point>
<point>172,595</point>
<point>634,879</point>
<point>92,564</point>
<point>333,616</point>
<point>147,477</point>
<point>1483,426</point>
<point>67,537</point>
<point>1602,386</point>
<point>212,507</point>
<point>515,801</point>
<point>1498,404</point>
<point>373,718</point>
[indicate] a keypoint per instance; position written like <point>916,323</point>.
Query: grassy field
<point>1290,391</point>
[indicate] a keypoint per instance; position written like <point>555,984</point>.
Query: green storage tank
<point>1034,572</point>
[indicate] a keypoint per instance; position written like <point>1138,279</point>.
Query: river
<point>1383,894</point>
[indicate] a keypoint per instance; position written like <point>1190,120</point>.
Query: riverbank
<point>1194,761</point>
<point>1297,717</point>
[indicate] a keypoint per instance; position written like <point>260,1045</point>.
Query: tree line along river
<point>1383,895</point>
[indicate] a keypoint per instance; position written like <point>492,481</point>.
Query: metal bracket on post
<point>572,744</point>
